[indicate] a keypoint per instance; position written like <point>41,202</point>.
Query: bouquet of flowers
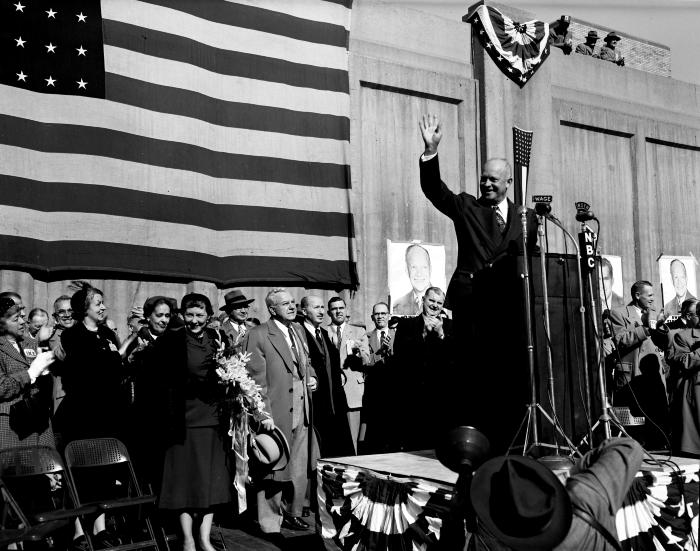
<point>243,399</point>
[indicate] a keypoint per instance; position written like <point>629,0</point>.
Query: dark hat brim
<point>233,305</point>
<point>559,525</point>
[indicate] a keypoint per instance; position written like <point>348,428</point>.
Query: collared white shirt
<point>310,328</point>
<point>285,331</point>
<point>503,209</point>
<point>333,332</point>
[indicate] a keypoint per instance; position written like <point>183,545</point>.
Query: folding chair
<point>24,469</point>
<point>96,453</point>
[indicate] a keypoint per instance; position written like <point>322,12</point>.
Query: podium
<point>569,370</point>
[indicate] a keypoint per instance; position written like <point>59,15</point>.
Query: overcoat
<point>271,367</point>
<point>14,383</point>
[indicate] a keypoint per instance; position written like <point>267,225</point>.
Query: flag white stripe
<point>59,226</point>
<point>96,112</point>
<point>313,10</point>
<point>228,88</point>
<point>105,171</point>
<point>223,36</point>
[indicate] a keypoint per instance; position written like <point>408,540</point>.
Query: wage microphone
<point>543,209</point>
<point>584,216</point>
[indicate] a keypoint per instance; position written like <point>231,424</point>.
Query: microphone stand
<point>530,419</point>
<point>582,312</point>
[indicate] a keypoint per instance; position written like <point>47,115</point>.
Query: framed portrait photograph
<point>610,283</point>
<point>678,283</point>
<point>413,267</point>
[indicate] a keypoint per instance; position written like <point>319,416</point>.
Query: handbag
<point>29,415</point>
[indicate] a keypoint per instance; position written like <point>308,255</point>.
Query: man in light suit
<point>279,363</point>
<point>353,348</point>
<point>236,323</point>
<point>639,379</point>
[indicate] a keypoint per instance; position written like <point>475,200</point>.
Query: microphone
<point>543,209</point>
<point>584,216</point>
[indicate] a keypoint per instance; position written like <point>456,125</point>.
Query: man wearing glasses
<point>377,406</point>
<point>63,315</point>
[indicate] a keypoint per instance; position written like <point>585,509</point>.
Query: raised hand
<point>41,364</point>
<point>431,132</point>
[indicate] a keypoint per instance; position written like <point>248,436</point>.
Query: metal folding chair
<point>26,470</point>
<point>97,453</point>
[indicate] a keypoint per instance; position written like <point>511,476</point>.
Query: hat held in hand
<point>269,449</point>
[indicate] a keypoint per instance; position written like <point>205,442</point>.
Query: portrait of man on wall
<point>413,267</point>
<point>677,281</point>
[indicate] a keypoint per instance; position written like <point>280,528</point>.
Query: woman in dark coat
<point>21,370</point>
<point>148,463</point>
<point>91,373</point>
<point>195,473</point>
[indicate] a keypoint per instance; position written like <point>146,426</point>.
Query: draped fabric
<point>661,511</point>
<point>362,510</point>
<point>176,139</point>
<point>519,49</point>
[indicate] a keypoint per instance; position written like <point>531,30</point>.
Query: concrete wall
<point>623,140</point>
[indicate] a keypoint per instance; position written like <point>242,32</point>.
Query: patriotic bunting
<point>519,49</point>
<point>362,510</point>
<point>660,511</point>
<point>185,140</point>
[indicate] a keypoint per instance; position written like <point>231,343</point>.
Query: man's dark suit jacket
<point>483,253</point>
<point>485,295</point>
<point>329,403</point>
<point>424,376</point>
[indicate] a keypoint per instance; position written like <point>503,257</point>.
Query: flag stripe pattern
<point>214,144</point>
<point>518,49</point>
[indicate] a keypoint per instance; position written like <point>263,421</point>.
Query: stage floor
<point>422,464</point>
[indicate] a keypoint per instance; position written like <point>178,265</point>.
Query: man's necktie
<point>319,340</point>
<point>337,336</point>
<point>241,329</point>
<point>295,350</point>
<point>381,339</point>
<point>499,220</point>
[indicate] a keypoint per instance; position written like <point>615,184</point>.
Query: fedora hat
<point>269,449</point>
<point>592,34</point>
<point>235,299</point>
<point>612,36</point>
<point>521,502</point>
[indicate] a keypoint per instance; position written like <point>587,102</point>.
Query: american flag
<point>522,145</point>
<point>180,139</point>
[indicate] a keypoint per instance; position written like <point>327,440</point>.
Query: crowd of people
<point>330,388</point>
